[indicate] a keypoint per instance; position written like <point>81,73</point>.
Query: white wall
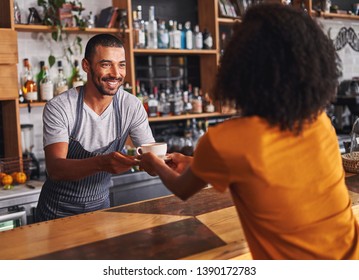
<point>348,56</point>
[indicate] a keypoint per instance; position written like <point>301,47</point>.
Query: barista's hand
<point>117,162</point>
<point>179,162</point>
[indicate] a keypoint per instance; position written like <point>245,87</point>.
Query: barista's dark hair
<point>105,40</point>
<point>278,65</point>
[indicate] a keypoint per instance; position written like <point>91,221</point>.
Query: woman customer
<point>280,159</point>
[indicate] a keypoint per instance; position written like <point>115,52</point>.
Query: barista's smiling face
<point>107,69</point>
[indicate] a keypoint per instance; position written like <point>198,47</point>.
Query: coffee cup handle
<point>139,151</point>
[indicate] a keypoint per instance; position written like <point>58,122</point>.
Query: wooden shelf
<point>45,28</point>
<point>222,20</point>
<point>174,51</point>
<point>188,116</point>
<point>152,119</point>
<point>32,104</point>
<point>334,15</point>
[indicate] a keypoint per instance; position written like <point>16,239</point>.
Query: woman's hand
<point>150,163</point>
<point>179,162</point>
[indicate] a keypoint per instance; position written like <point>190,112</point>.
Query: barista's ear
<point>86,65</point>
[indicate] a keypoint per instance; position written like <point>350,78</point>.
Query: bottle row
<point>42,87</point>
<point>153,34</point>
<point>174,101</point>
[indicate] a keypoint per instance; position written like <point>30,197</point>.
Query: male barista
<point>84,128</point>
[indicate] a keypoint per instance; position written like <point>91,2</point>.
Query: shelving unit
<point>208,17</point>
<point>10,140</point>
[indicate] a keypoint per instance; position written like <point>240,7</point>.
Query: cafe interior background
<point>37,46</point>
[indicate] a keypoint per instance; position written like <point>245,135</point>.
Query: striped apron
<point>66,198</point>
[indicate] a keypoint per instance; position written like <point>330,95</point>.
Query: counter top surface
<point>206,226</point>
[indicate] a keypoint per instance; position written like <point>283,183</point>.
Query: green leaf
<point>52,60</point>
<point>54,35</point>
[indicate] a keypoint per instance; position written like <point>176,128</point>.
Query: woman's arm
<point>180,180</point>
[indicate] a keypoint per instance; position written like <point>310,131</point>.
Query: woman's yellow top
<point>289,190</point>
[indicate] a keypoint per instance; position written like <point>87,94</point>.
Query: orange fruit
<point>7,180</point>
<point>2,174</point>
<point>20,177</point>
<point>13,175</point>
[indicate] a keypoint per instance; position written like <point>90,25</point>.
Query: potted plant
<point>60,14</point>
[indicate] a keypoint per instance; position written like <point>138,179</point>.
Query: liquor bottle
<point>182,35</point>
<point>152,30</point>
<point>136,29</point>
<point>144,97</point>
<point>198,38</point>
<point>187,98</point>
<point>77,79</point>
<point>196,102</point>
<point>153,103</point>
<point>223,43</point>
<point>163,36</point>
<point>39,77</point>
<point>46,85</point>
<point>138,91</point>
<point>207,105</point>
<point>207,40</point>
<point>177,36</point>
<point>164,105</point>
<point>189,35</point>
<point>17,13</point>
<point>171,34</point>
<point>29,86</point>
<point>139,29</point>
<point>61,83</point>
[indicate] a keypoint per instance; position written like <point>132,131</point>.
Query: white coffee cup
<point>159,149</point>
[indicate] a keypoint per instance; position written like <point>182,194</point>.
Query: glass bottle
<point>136,29</point>
<point>196,102</point>
<point>29,86</point>
<point>189,35</point>
<point>171,34</point>
<point>207,40</point>
<point>153,103</point>
<point>138,91</point>
<point>182,35</point>
<point>77,79</point>
<point>198,38</point>
<point>152,42</point>
<point>163,36</point>
<point>354,143</point>
<point>61,83</point>
<point>46,85</point>
<point>176,36</point>
<point>144,97</point>
<point>17,13</point>
<point>40,76</point>
<point>187,100</point>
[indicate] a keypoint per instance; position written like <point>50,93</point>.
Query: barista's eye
<point>106,65</point>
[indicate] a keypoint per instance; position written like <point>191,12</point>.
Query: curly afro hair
<point>278,65</point>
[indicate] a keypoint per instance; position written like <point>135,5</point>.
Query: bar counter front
<point>206,226</point>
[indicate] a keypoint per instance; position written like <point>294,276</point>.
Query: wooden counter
<point>204,227</point>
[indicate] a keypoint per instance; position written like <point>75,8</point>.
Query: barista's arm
<point>60,168</point>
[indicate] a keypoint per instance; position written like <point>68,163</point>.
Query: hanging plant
<point>52,10</point>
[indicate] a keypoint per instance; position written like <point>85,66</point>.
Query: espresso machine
<point>27,142</point>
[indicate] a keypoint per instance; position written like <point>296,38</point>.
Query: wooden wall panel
<point>8,47</point>
<point>8,82</point>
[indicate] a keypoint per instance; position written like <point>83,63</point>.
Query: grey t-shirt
<point>95,131</point>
